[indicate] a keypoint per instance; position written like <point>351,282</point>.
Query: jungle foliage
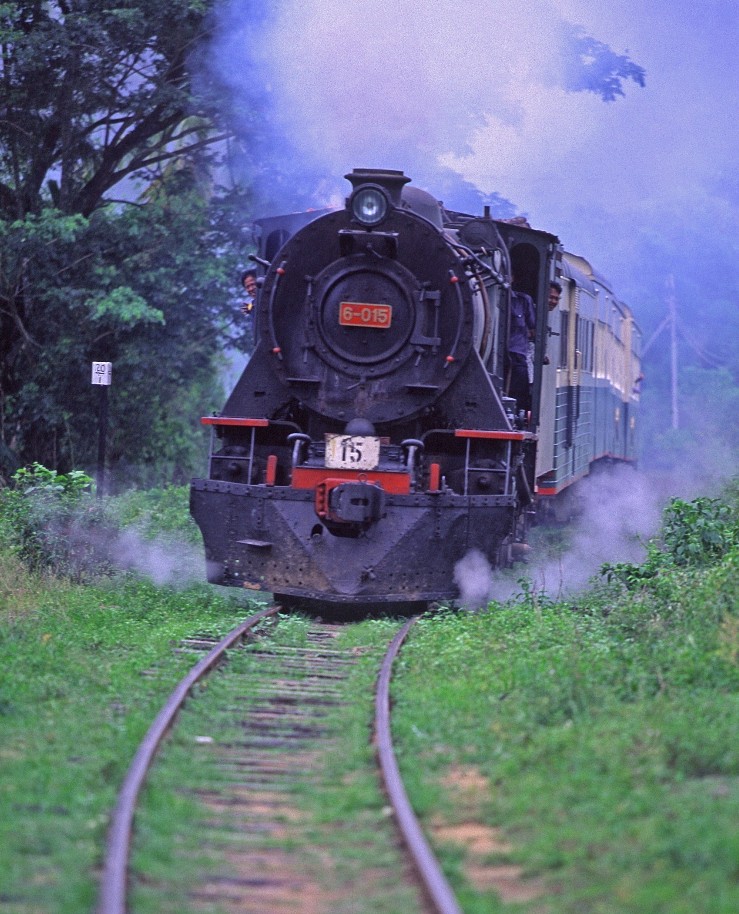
<point>116,244</point>
<point>56,527</point>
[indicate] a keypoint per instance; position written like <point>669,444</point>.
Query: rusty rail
<point>427,866</point>
<point>113,885</point>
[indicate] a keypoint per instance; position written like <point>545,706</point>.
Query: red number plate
<point>357,314</point>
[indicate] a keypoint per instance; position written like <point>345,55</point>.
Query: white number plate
<point>352,452</point>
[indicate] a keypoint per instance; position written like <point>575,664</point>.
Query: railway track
<point>253,824</point>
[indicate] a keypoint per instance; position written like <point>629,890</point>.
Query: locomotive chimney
<point>391,181</point>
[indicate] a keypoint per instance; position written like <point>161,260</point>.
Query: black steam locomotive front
<point>366,448</point>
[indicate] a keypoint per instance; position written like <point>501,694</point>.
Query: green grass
<point>84,671</point>
<point>605,728</point>
<point>607,731</point>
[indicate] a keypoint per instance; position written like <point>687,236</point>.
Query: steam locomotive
<point>371,442</point>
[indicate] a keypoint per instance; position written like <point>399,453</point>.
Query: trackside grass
<point>604,737</point>
<point>83,672</point>
<point>596,739</point>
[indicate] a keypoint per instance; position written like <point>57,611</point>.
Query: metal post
<point>102,374</point>
<point>102,434</point>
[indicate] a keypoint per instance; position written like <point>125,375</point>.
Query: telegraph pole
<point>670,322</point>
<point>675,325</point>
<point>672,316</point>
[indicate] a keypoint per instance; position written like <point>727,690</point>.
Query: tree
<point>592,66</point>
<point>97,106</point>
<point>93,95</point>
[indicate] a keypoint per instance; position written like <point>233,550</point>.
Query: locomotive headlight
<point>369,205</point>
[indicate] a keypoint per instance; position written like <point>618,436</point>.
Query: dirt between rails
<point>261,875</point>
<point>269,854</point>
<point>298,873</point>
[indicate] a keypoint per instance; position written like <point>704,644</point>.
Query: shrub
<point>699,532</point>
<point>54,524</point>
<point>694,534</point>
<point>47,520</point>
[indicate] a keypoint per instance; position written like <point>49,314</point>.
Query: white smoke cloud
<point>165,561</point>
<point>620,511</point>
<point>477,86</point>
<point>473,576</point>
<point>376,83</point>
<point>362,79</point>
<point>617,512</point>
<point>611,178</point>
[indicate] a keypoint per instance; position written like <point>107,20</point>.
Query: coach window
<point>564,332</point>
<point>589,345</point>
<point>584,344</point>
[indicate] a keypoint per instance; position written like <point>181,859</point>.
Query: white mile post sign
<point>102,373</point>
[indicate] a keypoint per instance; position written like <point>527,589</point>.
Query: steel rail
<point>113,885</point>
<point>427,866</point>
